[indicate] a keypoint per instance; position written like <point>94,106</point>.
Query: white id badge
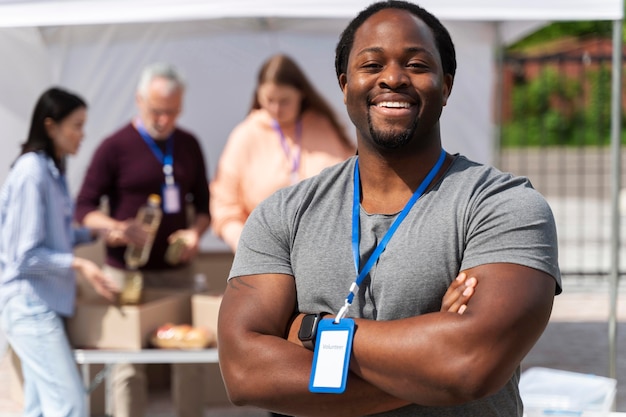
<point>331,359</point>
<point>171,198</point>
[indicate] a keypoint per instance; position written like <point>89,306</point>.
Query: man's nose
<point>393,76</point>
<point>164,118</point>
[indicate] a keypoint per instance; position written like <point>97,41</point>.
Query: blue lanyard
<point>166,159</point>
<point>356,208</point>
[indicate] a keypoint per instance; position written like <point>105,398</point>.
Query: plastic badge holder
<point>554,392</point>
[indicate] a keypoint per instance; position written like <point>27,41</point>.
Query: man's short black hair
<point>440,33</point>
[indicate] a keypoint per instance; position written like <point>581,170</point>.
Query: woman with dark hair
<point>37,264</point>
<point>290,134</point>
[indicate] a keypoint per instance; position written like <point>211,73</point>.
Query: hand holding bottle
<point>140,232</point>
<point>136,233</point>
<point>188,242</point>
<point>123,233</point>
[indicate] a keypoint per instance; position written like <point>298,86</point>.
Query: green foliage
<point>558,30</point>
<point>554,110</point>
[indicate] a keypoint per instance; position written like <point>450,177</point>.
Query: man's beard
<point>390,139</point>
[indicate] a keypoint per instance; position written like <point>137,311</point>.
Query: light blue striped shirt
<point>36,234</point>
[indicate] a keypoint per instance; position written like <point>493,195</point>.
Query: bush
<point>553,110</point>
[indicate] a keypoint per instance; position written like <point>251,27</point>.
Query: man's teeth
<point>394,104</point>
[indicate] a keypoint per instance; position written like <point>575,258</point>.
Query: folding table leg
<point>84,368</point>
<point>108,389</point>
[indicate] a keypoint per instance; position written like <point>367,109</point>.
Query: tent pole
<point>616,121</point>
<point>498,96</point>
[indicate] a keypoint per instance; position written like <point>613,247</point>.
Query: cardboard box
<point>205,308</point>
<point>215,266</point>
<point>98,324</point>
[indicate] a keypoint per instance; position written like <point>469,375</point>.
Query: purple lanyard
<point>356,206</point>
<point>295,160</point>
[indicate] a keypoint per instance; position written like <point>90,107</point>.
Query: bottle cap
<point>154,199</point>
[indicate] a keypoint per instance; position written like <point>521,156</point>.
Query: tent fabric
<point>71,12</point>
<point>219,46</point>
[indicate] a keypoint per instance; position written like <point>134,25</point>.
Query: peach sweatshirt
<point>254,165</point>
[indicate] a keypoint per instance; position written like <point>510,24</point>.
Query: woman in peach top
<point>290,134</point>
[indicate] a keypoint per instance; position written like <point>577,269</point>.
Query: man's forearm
<point>98,220</point>
<point>201,224</point>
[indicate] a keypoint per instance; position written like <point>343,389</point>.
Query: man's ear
<point>343,81</point>
<point>448,81</point>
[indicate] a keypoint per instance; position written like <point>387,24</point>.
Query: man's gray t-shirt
<point>474,215</point>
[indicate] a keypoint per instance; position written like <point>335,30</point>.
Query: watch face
<point>307,328</point>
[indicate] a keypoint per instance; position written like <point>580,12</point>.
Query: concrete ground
<point>576,339</point>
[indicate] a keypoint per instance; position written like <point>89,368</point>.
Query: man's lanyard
<point>356,208</point>
<point>295,159</point>
<point>168,159</point>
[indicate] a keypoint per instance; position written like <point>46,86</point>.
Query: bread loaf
<point>183,336</point>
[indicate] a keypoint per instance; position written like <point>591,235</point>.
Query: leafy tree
<point>554,110</point>
<point>558,30</point>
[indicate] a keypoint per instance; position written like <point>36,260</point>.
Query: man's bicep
<point>513,304</point>
<point>262,304</point>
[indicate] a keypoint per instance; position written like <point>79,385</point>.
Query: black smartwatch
<point>308,330</point>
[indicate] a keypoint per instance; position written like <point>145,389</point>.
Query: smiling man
<point>376,243</point>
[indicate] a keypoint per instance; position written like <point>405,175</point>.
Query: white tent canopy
<point>98,47</point>
<point>80,12</point>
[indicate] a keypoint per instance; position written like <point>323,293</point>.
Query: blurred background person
<point>290,133</point>
<point>37,237</point>
<point>151,155</point>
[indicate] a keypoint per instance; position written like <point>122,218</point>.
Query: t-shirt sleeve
<point>228,213</point>
<point>510,222</point>
<point>264,244</point>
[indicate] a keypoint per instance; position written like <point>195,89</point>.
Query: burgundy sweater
<point>125,170</point>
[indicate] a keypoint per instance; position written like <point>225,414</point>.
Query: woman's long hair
<point>55,104</point>
<point>280,69</point>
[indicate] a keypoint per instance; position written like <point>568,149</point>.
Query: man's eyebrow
<point>375,49</point>
<point>418,49</point>
<point>410,49</point>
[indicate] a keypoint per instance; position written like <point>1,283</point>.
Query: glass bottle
<point>149,216</point>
